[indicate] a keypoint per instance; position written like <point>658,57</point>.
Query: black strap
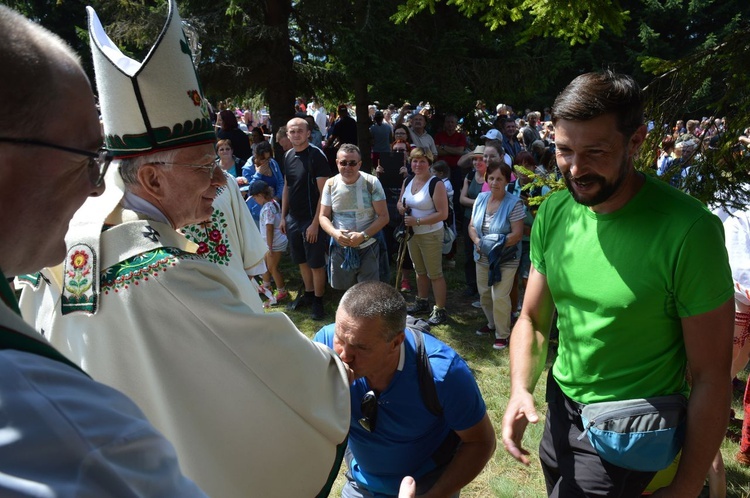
<point>433,181</point>
<point>447,449</point>
<point>424,376</point>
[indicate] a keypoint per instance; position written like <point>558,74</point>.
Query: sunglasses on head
<point>369,409</point>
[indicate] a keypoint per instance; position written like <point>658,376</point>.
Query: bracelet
<point>418,220</point>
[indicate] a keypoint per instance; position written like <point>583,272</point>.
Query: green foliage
<point>713,81</point>
<point>574,22</point>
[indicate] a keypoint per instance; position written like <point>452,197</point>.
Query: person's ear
<point>151,180</point>
<point>396,341</point>
<point>637,139</point>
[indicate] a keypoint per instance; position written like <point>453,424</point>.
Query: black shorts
<point>300,249</point>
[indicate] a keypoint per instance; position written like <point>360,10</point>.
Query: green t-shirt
<point>621,283</point>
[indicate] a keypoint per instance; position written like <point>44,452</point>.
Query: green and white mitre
<point>152,105</point>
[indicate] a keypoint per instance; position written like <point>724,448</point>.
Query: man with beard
<point>640,279</point>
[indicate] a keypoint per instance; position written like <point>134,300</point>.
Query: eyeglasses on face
<point>369,409</point>
<point>351,163</point>
<point>208,167</point>
<point>98,161</point>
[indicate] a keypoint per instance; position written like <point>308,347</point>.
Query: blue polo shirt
<point>406,433</point>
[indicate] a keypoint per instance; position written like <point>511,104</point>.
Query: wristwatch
<point>367,237</point>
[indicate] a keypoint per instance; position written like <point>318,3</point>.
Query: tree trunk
<point>362,100</point>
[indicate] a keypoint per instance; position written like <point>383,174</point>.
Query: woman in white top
<point>423,215</point>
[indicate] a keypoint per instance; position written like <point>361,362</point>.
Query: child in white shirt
<point>270,221</point>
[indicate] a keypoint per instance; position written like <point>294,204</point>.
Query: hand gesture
<point>520,412</point>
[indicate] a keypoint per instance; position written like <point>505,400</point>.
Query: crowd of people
<point>169,234</point>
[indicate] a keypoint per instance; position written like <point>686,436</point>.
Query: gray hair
<point>350,149</point>
<point>129,166</point>
<point>376,300</point>
<point>32,59</point>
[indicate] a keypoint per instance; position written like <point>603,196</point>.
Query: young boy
<point>270,219</point>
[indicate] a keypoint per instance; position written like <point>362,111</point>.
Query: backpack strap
<point>424,376</point>
<point>433,182</point>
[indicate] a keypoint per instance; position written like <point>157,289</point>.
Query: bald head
<point>33,61</point>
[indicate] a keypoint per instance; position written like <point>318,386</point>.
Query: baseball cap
<point>257,187</point>
<point>493,134</point>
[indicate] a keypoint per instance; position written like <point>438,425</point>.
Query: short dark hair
<point>592,95</point>
<point>441,167</point>
<point>263,147</point>
<point>498,164</point>
<point>376,299</point>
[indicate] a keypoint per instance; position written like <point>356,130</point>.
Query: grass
<point>502,477</point>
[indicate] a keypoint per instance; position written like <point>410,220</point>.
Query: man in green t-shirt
<point>639,275</point>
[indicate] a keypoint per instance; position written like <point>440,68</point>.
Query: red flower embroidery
<point>221,249</point>
<point>214,235</point>
<point>79,259</point>
<point>202,248</point>
<point>195,97</point>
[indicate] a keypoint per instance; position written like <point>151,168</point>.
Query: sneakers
<point>500,344</point>
<point>281,294</point>
<point>419,306</point>
<point>477,304</point>
<point>318,313</point>
<point>405,285</point>
<point>277,296</point>
<point>485,330</point>
<point>438,316</point>
<point>302,300</point>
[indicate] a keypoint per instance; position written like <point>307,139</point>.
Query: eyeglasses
<point>369,409</point>
<point>208,167</point>
<point>98,161</point>
<point>352,163</point>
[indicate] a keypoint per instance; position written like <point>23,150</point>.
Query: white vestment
<point>231,240</point>
<point>253,407</point>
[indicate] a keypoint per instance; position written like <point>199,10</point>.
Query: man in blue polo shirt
<point>392,432</point>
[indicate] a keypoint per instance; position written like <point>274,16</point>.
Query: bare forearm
<point>528,353</point>
<point>327,225</point>
<point>377,225</point>
<point>284,202</point>
<point>468,462</point>
<point>708,416</point>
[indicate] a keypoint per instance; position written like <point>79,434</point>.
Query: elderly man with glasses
<point>243,396</point>
<point>397,428</point>
<point>63,433</point>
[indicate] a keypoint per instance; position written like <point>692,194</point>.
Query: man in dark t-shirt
<point>305,173</point>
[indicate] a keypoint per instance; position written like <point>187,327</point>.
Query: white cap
<point>493,134</point>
